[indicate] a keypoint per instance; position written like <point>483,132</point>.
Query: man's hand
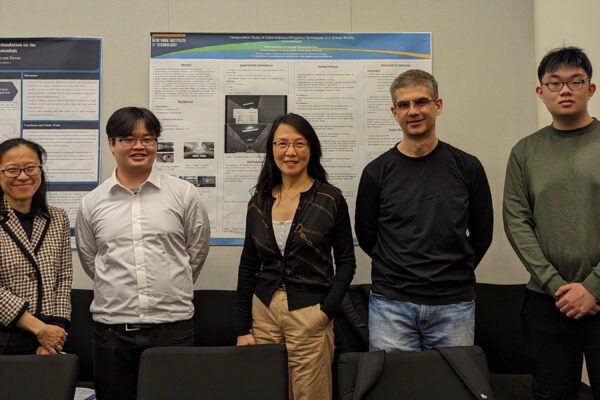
<point>594,310</point>
<point>51,336</point>
<point>575,301</point>
<point>246,340</point>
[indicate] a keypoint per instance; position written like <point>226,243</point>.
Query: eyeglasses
<point>284,145</point>
<point>130,141</point>
<point>573,85</point>
<point>14,172</point>
<point>418,103</point>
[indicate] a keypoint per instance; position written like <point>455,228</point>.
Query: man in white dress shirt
<point>142,237</point>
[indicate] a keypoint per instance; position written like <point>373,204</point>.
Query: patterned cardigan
<point>36,274</point>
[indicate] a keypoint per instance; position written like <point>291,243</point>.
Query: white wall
<point>574,23</point>
<point>483,57</point>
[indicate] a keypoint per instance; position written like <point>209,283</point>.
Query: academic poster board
<point>50,94</point>
<point>217,94</point>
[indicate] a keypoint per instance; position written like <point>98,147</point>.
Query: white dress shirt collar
<point>153,179</point>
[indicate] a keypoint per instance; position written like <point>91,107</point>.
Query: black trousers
<point>14,341</point>
<point>117,352</point>
<point>556,344</point>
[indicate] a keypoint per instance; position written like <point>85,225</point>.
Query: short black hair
<point>122,122</point>
<point>564,56</point>
<point>39,202</point>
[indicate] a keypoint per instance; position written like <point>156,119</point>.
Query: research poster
<point>50,94</point>
<point>217,94</point>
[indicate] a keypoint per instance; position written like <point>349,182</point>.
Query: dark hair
<point>122,122</point>
<point>39,203</point>
<point>270,175</point>
<point>564,56</point>
<point>414,77</point>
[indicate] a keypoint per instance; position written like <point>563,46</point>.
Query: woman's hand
<point>324,317</point>
<point>246,340</point>
<point>51,337</point>
<point>42,351</point>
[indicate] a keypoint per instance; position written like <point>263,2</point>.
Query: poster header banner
<point>274,46</point>
<point>50,54</point>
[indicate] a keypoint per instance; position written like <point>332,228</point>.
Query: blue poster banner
<point>273,46</point>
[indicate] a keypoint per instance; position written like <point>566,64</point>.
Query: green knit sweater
<point>552,207</point>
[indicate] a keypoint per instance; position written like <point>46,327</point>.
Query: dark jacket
<point>321,223</point>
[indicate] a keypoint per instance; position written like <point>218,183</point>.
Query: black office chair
<point>247,372</point>
<point>34,377</point>
<point>422,375</point>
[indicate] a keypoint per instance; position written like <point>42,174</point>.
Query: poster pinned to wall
<point>50,94</point>
<point>217,94</point>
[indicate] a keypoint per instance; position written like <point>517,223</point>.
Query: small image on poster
<point>248,121</point>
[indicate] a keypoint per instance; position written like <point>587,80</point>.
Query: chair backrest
<point>214,317</point>
<point>422,375</point>
<point>79,340</point>
<point>498,327</point>
<point>34,377</point>
<point>247,372</point>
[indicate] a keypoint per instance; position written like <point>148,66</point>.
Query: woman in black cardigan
<point>288,290</point>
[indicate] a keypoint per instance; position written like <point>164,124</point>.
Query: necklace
<point>291,198</point>
<point>294,197</point>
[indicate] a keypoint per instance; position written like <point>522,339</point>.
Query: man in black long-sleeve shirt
<point>424,216</point>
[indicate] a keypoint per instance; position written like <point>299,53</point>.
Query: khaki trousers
<point>309,343</point>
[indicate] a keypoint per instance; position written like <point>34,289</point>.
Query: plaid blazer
<point>36,274</point>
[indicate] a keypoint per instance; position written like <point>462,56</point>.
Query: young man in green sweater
<point>552,220</point>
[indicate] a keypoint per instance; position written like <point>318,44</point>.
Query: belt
<point>129,327</point>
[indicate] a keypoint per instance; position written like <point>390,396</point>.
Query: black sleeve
<point>345,263</point>
<point>249,266</point>
<point>481,213</point>
<point>367,213</point>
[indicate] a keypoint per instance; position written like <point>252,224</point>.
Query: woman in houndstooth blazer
<point>35,256</point>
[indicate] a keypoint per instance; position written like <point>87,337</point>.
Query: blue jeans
<point>396,325</point>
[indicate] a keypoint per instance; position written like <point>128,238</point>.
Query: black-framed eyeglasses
<point>418,103</point>
<point>573,85</point>
<point>284,145</point>
<point>13,172</point>
<point>131,141</point>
